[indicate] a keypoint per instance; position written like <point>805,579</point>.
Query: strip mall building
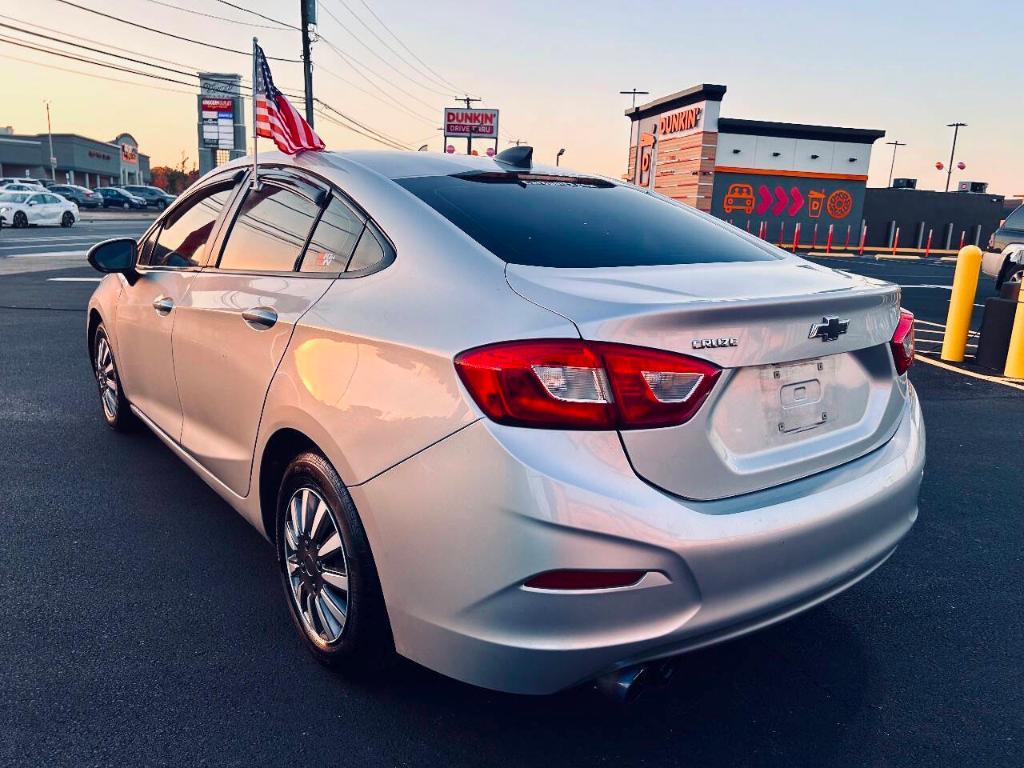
<point>762,176</point>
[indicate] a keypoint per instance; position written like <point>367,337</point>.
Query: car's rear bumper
<point>458,528</point>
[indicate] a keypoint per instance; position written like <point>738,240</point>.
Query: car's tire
<point>126,206</point>
<point>114,405</point>
<point>333,592</point>
<point>67,219</point>
<point>1010,273</point>
<point>20,220</point>
<point>160,205</point>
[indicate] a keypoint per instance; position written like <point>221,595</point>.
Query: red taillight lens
<point>902,343</point>
<point>576,580</point>
<point>564,384</point>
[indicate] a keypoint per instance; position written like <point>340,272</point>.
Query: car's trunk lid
<point>789,403</point>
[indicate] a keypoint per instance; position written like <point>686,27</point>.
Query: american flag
<point>276,118</point>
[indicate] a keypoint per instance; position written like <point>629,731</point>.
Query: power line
<point>260,15</point>
<point>359,40</point>
<point>356,122</point>
<point>219,18</point>
<point>167,34</point>
<point>442,79</point>
<point>96,76</point>
<point>393,104</point>
<point>108,65</point>
<point>358,66</point>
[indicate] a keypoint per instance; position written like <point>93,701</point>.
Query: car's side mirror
<point>31,202</point>
<point>119,255</point>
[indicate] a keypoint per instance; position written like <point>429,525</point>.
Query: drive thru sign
<point>471,123</point>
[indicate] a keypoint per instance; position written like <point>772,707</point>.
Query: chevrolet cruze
<point>524,426</point>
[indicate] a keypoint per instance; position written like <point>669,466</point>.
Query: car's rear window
<point>559,221</point>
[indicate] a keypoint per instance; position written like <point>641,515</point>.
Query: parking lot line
<point>73,279</point>
<point>1012,383</point>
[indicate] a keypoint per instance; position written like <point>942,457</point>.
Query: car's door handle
<point>163,305</point>
<point>260,318</point>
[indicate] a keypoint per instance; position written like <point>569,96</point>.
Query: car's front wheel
<point>160,205</point>
<point>116,409</point>
<point>1012,273</point>
<point>20,220</point>
<point>126,206</point>
<point>327,569</point>
<point>67,219</point>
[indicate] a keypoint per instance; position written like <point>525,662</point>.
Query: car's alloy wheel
<point>20,220</point>
<point>67,219</point>
<point>316,565</point>
<point>327,570</point>
<point>126,206</point>
<point>116,410</point>
<point>106,377</point>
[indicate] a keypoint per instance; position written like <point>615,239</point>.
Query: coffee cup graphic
<point>815,202</point>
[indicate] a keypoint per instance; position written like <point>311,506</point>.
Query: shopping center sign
<point>471,123</point>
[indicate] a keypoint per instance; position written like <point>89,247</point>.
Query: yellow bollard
<point>961,303</point>
<point>1015,357</point>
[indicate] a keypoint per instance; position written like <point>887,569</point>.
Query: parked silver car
<point>523,426</point>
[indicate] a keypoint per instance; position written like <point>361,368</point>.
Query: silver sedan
<point>524,426</point>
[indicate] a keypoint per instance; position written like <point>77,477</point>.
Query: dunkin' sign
<point>471,122</point>
<point>679,122</point>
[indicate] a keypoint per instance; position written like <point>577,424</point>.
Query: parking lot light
<point>961,304</point>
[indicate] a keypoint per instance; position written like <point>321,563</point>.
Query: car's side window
<point>183,238</point>
<point>35,200</point>
<point>373,248</point>
<point>52,199</point>
<point>1016,219</point>
<point>333,240</point>
<point>269,231</point>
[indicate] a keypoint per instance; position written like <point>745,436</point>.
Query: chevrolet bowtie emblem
<point>829,329</point>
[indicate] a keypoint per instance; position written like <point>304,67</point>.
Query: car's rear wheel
<point>20,220</point>
<point>1011,273</point>
<point>327,569</point>
<point>116,409</point>
<point>126,206</point>
<point>67,219</point>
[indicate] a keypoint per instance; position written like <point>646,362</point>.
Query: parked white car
<point>23,209</point>
<point>22,186</point>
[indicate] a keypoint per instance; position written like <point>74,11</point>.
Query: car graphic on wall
<point>739,197</point>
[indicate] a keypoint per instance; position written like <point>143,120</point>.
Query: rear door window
<point>1016,219</point>
<point>559,221</point>
<point>270,230</point>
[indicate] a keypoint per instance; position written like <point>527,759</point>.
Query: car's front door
<point>168,262</point>
<point>35,210</point>
<point>239,316</point>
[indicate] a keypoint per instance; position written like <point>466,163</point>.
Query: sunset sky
<point>554,70</point>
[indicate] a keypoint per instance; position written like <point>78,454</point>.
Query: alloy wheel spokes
<point>316,565</point>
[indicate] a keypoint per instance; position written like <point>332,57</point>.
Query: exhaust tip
<point>627,685</point>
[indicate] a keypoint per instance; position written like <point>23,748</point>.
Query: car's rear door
<point>169,260</point>
<point>240,313</point>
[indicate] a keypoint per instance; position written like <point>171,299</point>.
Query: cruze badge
<point>829,329</point>
<point>724,341</point>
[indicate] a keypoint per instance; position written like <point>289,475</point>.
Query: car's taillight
<point>902,343</point>
<point>567,384</point>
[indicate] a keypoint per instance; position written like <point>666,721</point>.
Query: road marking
<point>74,279</point>
<point>46,253</point>
<point>941,287</point>
<point>1015,384</point>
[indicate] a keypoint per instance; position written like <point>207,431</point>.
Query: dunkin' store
<point>764,177</point>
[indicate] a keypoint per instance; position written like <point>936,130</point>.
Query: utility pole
<point>307,10</point>
<point>468,100</point>
<point>49,135</point>
<point>517,142</point>
<point>956,129</point>
<point>894,144</point>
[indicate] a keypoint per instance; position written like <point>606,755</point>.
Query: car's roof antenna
<point>520,157</point>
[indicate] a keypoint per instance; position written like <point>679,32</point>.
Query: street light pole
<point>956,129</point>
<point>49,135</point>
<point>895,144</point>
<point>559,156</point>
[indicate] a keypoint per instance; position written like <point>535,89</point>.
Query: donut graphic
<point>839,204</point>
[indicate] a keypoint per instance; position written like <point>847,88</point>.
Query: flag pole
<point>255,134</point>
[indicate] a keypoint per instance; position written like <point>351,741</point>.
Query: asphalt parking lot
<point>143,622</point>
